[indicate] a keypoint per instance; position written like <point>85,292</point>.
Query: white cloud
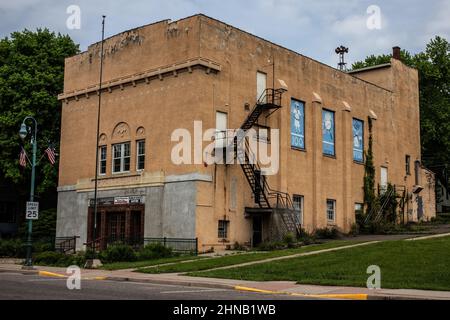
<point>440,24</point>
<point>351,26</point>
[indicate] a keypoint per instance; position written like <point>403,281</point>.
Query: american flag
<point>50,152</point>
<point>23,158</point>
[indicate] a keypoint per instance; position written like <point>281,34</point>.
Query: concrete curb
<point>24,272</point>
<point>357,296</point>
<point>44,273</point>
<point>175,282</point>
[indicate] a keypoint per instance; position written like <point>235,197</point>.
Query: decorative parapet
<point>144,77</point>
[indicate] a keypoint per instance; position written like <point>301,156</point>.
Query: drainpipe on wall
<point>417,187</point>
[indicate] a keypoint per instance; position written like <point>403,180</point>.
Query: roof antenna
<point>341,51</point>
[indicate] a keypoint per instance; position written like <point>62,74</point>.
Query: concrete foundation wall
<point>169,210</point>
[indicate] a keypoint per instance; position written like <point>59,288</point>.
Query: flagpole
<point>98,133</point>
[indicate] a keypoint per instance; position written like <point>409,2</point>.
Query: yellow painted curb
<point>58,275</point>
<point>357,296</point>
<point>253,290</point>
<point>51,274</point>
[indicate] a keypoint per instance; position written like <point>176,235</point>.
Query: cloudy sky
<point>311,27</point>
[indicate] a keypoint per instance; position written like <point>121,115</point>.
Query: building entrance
<point>116,223</point>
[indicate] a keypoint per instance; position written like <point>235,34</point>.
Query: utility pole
<point>98,133</point>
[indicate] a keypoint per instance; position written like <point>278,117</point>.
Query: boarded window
<point>297,124</point>
<point>358,140</point>
<point>261,85</point>
<point>383,179</point>
<point>328,132</point>
<point>221,130</point>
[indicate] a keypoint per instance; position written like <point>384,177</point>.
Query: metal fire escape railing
<point>265,196</point>
<point>389,194</point>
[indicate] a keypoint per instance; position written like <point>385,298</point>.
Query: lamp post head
<point>23,132</point>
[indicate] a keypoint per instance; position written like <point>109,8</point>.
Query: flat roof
<point>379,66</point>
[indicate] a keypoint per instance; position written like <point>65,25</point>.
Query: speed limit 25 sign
<point>32,212</point>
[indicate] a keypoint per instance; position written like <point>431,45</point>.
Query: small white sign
<point>32,212</point>
<point>121,200</point>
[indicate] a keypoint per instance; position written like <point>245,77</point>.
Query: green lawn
<point>147,263</point>
<point>421,264</point>
<point>209,263</point>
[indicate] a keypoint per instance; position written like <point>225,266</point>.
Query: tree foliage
<point>31,76</point>
<point>434,87</point>
<point>369,176</point>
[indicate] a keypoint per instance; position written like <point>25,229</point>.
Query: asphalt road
<point>30,287</point>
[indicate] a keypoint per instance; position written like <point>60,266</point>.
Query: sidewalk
<point>280,287</point>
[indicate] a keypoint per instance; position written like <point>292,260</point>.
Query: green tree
<point>31,76</point>
<point>369,176</point>
<point>434,89</point>
<point>374,60</point>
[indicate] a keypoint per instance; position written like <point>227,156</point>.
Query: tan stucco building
<point>164,76</point>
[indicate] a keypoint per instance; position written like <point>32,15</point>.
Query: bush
<point>79,259</point>
<point>289,239</point>
<point>326,233</point>
<point>42,247</point>
<point>56,259</point>
<point>12,248</point>
<point>118,253</point>
<point>271,245</point>
<point>43,228</point>
<point>154,251</point>
<point>239,247</point>
<point>307,238</point>
<point>354,230</point>
<point>49,258</point>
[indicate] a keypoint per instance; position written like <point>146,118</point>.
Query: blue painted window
<point>297,124</point>
<point>328,132</point>
<point>358,140</point>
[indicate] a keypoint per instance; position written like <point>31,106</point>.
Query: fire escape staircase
<point>266,198</point>
<point>396,192</point>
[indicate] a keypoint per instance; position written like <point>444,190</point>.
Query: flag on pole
<point>23,158</point>
<point>50,152</point>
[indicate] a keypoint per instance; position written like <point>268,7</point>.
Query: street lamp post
<point>24,130</point>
